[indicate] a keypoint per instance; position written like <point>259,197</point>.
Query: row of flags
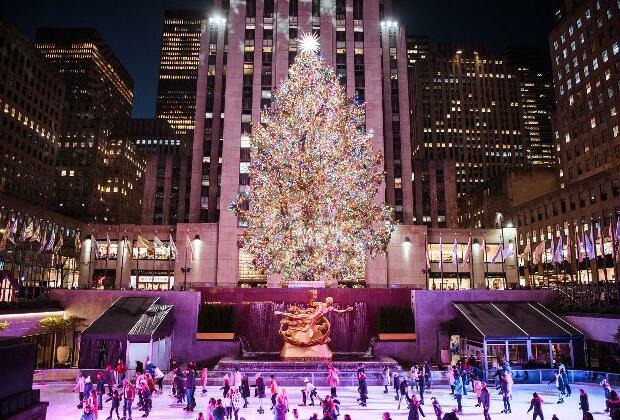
<point>584,245</point>
<point>150,246</point>
<point>500,255</point>
<point>49,236</point>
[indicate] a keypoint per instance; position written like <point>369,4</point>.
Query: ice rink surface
<point>62,404</point>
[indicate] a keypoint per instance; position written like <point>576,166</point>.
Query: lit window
<point>567,138</point>
<point>588,88</point>
<point>593,122</point>
<point>612,111</point>
<point>615,131</point>
<point>579,23</point>
<point>571,100</point>
<point>573,46</point>
<point>577,78</point>
<point>63,173</point>
<point>595,64</point>
<point>605,57</point>
<point>586,71</point>
<point>615,48</point>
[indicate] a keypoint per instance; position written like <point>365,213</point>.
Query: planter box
<point>397,336</point>
<point>215,336</point>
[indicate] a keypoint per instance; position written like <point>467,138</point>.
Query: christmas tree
<point>314,176</point>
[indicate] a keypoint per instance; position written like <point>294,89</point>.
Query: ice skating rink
<point>62,404</point>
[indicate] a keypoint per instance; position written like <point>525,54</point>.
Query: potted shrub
<point>3,326</point>
<point>216,322</point>
<point>396,324</point>
<point>60,326</point>
<point>448,329</point>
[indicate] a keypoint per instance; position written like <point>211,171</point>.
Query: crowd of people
<point>408,390</point>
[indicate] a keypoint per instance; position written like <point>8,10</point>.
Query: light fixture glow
<point>309,43</point>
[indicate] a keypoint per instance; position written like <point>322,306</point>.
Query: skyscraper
<point>466,109</point>
<point>246,51</point>
<point>31,95</point>
<point>95,173</point>
<point>532,67</point>
<point>178,68</point>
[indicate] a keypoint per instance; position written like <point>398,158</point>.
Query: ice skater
<point>536,405</point>
<point>308,392</point>
<point>116,403</point>
<point>333,379</point>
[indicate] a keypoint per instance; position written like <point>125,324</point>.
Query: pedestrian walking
<point>129,394</point>
<point>536,405</point>
<point>244,390</point>
<point>273,387</point>
<point>259,383</point>
<point>584,404</point>
<point>458,393</point>
<point>385,377</point>
<point>415,408</point>
<point>362,387</point>
<point>333,379</point>
<point>436,408</point>
<point>204,376</point>
<point>485,401</point>
<point>308,391</point>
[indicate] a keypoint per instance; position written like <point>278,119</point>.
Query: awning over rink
<point>518,332</point>
<point>120,330</point>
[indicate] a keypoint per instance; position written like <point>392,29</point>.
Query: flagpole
<point>426,261</point>
<point>124,245</point>
<point>471,262</point>
<point>441,260</point>
<point>531,265</point>
<point>169,258</point>
<point>602,235</point>
<point>154,257</point>
<point>107,258</point>
<point>486,261</point>
<point>458,274</point>
<point>138,265</point>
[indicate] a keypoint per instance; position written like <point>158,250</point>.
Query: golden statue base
<point>318,352</point>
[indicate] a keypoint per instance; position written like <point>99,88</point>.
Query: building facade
<point>585,57</point>
<point>465,108</point>
<point>178,68</point>
<point>193,260</point>
<point>31,95</point>
<point>94,172</point>
<point>532,67</point>
<point>165,195</point>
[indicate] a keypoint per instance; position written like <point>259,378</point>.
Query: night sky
<point>133,27</point>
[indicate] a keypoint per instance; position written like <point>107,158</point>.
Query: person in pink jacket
<point>477,384</point>
<point>332,379</point>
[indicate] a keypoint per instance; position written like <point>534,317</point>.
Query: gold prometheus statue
<point>308,327</point>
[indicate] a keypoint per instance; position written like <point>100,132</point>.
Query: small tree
<point>60,326</point>
<point>3,325</point>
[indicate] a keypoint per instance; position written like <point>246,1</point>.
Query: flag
<point>467,259</point>
<point>43,241</point>
<point>580,247</point>
<point>601,238</point>
<point>528,249</point>
<point>96,248</point>
<point>569,251</point>
<point>172,249</point>
<point>50,243</point>
<point>508,252</point>
<point>590,251</point>
<point>618,229</point>
<point>499,252</point>
<point>191,247</point>
<point>60,242</point>
<point>108,246</point>
<point>558,254</point>
<point>36,236</point>
<point>440,253</point>
<point>127,247</point>
<point>538,251</point>
<point>78,243</point>
<point>143,243</point>
<point>11,229</point>
<point>27,231</point>
<point>455,253</point>
<point>552,250</point>
<point>157,242</point>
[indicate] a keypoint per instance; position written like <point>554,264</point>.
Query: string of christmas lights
<point>314,177</point>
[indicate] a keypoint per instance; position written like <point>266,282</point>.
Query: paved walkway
<point>63,404</point>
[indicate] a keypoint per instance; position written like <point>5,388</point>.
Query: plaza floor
<point>62,404</point>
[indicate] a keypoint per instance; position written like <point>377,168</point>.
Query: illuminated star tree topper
<point>311,209</point>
